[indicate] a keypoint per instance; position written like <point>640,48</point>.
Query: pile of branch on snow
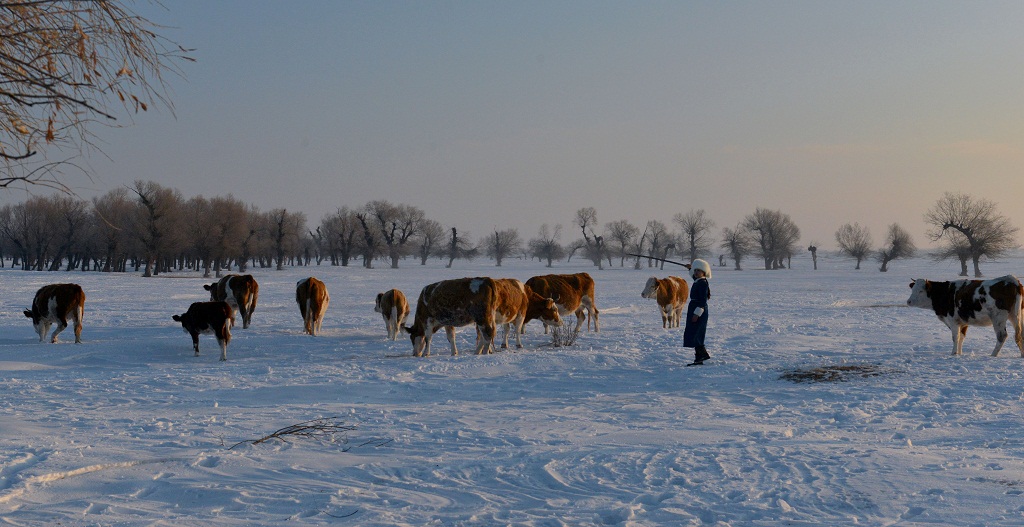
<point>563,336</point>
<point>841,373</point>
<point>327,429</point>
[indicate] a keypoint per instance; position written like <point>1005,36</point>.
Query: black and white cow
<point>962,303</point>
<point>208,317</point>
<point>55,303</point>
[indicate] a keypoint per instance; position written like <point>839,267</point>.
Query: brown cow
<point>394,307</point>
<point>208,317</point>
<point>571,293</point>
<point>239,291</point>
<point>452,303</point>
<point>311,295</point>
<point>672,294</point>
<point>54,303</point>
<point>515,302</point>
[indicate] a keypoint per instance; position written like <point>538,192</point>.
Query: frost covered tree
<point>987,233</point>
<point>546,246</point>
<point>66,66</point>
<point>695,232</point>
<point>854,241</point>
<point>624,234</point>
<point>774,234</point>
<point>898,244</point>
<point>501,244</point>
<point>737,243</point>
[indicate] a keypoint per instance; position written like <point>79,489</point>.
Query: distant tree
<point>737,243</point>
<point>545,246</point>
<point>854,241</point>
<point>459,247</point>
<point>157,225</point>
<point>501,244</point>
<point>113,215</point>
<point>624,234</point>
<point>201,231</point>
<point>898,244</point>
<point>66,66</point>
<point>431,235</point>
<point>774,234</point>
<point>394,226</point>
<point>813,249</point>
<point>586,219</point>
<point>695,233</point>
<point>658,238</point>
<point>988,233</point>
<point>340,230</point>
<point>956,247</point>
<point>229,221</point>
<point>286,233</point>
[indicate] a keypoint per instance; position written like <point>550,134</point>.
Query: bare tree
<point>956,247</point>
<point>695,227</point>
<point>545,246</point>
<point>586,219</point>
<point>774,234</point>
<point>501,244</point>
<point>340,230</point>
<point>738,244</point>
<point>431,234</point>
<point>395,226</point>
<point>287,228</point>
<point>987,232</point>
<point>230,229</point>
<point>157,221</point>
<point>854,241</point>
<point>459,247</point>
<point>201,231</point>
<point>67,65</point>
<point>658,238</point>
<point>624,234</point>
<point>113,214</point>
<point>898,244</point>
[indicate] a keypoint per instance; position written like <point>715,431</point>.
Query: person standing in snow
<point>697,312</point>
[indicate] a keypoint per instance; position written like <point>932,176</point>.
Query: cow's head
<point>36,319</point>
<point>416,336</point>
<point>185,319</point>
<point>376,304</point>
<point>920,290</point>
<point>212,288</point>
<point>549,315</point>
<point>650,290</point>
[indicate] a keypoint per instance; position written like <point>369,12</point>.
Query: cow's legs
<point>44,328</point>
<point>76,317</point>
<point>486,344</point>
<point>223,349</point>
<point>195,343</point>
<point>1001,334</point>
<point>450,332</point>
<point>959,333</point>
<point>61,326</point>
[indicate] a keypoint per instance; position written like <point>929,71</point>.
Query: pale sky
<point>513,114</point>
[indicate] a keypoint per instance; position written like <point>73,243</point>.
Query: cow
<point>671,293</point>
<point>394,307</point>
<point>55,303</point>
<point>515,302</point>
<point>453,303</point>
<point>963,303</point>
<point>239,291</point>
<point>571,293</point>
<point>312,297</point>
<point>208,317</point>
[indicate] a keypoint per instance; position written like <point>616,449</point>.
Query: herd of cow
<point>489,302</point>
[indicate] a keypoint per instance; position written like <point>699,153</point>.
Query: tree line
<point>146,227</point>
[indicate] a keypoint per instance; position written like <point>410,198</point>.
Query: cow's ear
<point>207,287</point>
<point>912,282</point>
<point>28,314</point>
<point>177,318</point>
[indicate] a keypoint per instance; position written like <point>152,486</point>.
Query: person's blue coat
<point>693,334</point>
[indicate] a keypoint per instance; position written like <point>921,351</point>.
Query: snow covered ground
<point>128,428</point>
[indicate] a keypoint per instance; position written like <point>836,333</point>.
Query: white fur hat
<point>703,266</point>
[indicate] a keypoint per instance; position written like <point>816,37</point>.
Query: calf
<point>54,303</point>
<point>311,295</point>
<point>515,303</point>
<point>571,293</point>
<point>452,303</point>
<point>208,317</point>
<point>239,291</point>
<point>394,307</point>
<point>672,293</point>
<point>963,303</point>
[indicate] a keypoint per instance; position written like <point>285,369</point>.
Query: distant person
<point>697,312</point>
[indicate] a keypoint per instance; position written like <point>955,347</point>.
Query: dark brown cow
<point>672,293</point>
<point>394,307</point>
<point>453,303</point>
<point>311,295</point>
<point>208,317</point>
<point>515,303</point>
<point>571,293</point>
<point>55,303</point>
<point>963,303</point>
<point>239,291</point>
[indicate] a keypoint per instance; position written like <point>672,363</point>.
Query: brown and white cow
<point>963,303</point>
<point>239,291</point>
<point>208,317</point>
<point>394,307</point>
<point>55,303</point>
<point>571,293</point>
<point>671,293</point>
<point>453,303</point>
<point>312,297</point>
<point>516,303</point>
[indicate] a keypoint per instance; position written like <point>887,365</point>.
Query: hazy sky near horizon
<point>513,114</point>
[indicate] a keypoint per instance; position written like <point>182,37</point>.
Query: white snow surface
<point>129,428</point>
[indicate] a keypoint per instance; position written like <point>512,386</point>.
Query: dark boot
<point>700,354</point>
